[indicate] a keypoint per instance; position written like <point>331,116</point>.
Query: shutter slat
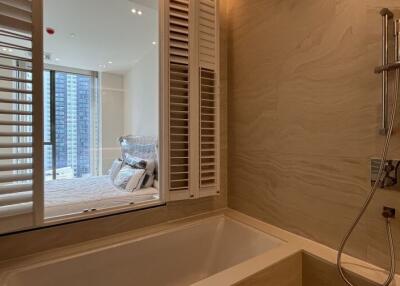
<point>13,11</point>
<point>12,57</point>
<point>15,24</point>
<point>12,156</point>
<point>9,78</point>
<point>13,35</point>
<point>15,68</point>
<point>15,199</point>
<point>11,189</point>
<point>25,5</point>
<point>15,210</point>
<point>15,178</point>
<point>11,167</point>
<point>16,112</point>
<point>13,90</point>
<point>15,101</point>
<point>16,123</point>
<point>16,145</point>
<point>16,134</point>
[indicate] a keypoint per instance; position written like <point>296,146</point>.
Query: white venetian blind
<point>20,108</point>
<point>179,58</point>
<point>209,95</point>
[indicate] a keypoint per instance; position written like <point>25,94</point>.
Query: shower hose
<point>370,197</point>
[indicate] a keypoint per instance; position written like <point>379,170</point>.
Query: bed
<point>85,194</point>
<point>71,196</point>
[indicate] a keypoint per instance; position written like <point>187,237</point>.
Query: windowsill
<point>77,217</point>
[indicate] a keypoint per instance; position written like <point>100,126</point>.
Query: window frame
<point>94,76</point>
<point>162,133</point>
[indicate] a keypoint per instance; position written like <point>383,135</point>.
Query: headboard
<point>144,147</point>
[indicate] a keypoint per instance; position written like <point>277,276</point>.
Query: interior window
<point>101,91</point>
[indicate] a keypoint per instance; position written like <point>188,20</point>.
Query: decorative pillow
<point>157,159</point>
<point>149,177</point>
<point>135,182</point>
<point>129,178</point>
<point>135,162</point>
<point>149,165</point>
<point>115,167</point>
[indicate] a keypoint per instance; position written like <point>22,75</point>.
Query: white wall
<point>112,121</point>
<point>141,96</point>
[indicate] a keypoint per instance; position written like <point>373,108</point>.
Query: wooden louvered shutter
<point>179,98</point>
<point>208,49</point>
<point>21,68</point>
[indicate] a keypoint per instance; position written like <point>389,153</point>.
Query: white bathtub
<point>180,256</point>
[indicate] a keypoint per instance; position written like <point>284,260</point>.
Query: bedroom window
<point>104,109</point>
<point>71,119</point>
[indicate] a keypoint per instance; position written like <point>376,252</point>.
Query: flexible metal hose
<point>370,197</point>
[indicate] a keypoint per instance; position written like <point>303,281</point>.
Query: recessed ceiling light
<point>72,35</point>
<point>4,49</point>
<point>10,50</point>
<point>133,11</point>
<point>139,12</point>
<point>110,62</point>
<point>57,59</point>
<point>154,43</point>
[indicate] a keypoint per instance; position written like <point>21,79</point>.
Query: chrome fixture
<point>385,167</point>
<point>386,15</point>
<point>390,175</point>
<point>397,40</point>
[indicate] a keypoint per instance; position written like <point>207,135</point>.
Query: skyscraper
<point>72,121</point>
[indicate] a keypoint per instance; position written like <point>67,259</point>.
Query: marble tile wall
<point>304,112</point>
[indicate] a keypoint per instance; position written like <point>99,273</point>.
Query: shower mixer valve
<point>389,177</point>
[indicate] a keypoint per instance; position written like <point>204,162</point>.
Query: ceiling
<point>99,35</point>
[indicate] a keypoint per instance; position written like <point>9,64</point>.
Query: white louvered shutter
<point>21,67</point>
<point>193,59</point>
<point>179,98</point>
<point>208,49</point>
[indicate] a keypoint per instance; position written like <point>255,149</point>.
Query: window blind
<point>209,97</point>
<point>193,95</point>
<point>21,64</point>
<point>179,93</point>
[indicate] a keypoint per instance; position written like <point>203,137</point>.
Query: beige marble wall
<point>24,243</point>
<point>304,112</point>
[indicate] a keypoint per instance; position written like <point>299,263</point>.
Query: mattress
<point>82,194</point>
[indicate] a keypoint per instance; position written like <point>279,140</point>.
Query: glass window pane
<point>105,85</point>
<point>46,107</point>
<point>48,162</point>
<point>73,124</point>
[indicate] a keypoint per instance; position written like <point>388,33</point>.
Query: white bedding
<point>77,195</point>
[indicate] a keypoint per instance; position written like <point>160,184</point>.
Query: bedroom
<point>100,105</point>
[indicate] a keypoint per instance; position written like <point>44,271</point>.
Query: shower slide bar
<point>384,69</point>
<point>386,15</point>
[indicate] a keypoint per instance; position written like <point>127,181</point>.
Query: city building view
<point>71,96</point>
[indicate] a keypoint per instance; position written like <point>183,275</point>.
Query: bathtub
<point>179,256</point>
<point>227,248</point>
